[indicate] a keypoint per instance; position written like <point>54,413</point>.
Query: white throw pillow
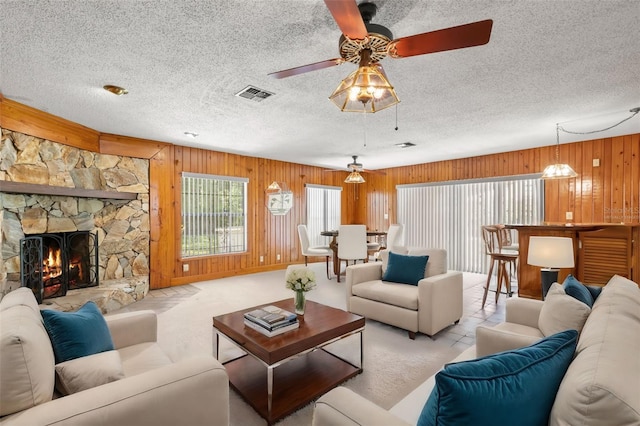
<point>561,312</point>
<point>88,372</point>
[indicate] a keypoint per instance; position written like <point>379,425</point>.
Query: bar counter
<point>601,250</point>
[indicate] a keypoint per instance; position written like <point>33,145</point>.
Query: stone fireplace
<point>50,191</point>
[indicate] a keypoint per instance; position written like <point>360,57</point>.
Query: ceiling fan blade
<point>375,172</point>
<point>347,16</point>
<point>306,68</point>
<point>468,35</point>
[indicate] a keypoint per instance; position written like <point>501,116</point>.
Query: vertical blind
<point>214,214</point>
<point>450,215</point>
<point>323,211</point>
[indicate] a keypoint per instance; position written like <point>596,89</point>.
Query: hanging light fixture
<point>367,89</point>
<point>558,170</point>
<point>354,177</point>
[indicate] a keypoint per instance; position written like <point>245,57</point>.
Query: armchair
<point>428,307</point>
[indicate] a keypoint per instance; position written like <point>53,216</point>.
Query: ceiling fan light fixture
<point>354,177</point>
<point>367,89</point>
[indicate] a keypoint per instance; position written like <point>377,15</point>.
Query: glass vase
<point>299,301</point>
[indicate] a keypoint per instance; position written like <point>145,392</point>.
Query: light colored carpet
<point>393,364</point>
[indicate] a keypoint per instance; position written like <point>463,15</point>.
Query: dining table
<point>334,245</point>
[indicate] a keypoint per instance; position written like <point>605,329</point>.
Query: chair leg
<point>328,275</point>
<point>486,288</point>
<point>501,269</point>
<point>412,335</point>
<point>305,260</point>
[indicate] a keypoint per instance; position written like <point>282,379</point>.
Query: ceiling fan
<point>354,168</point>
<point>366,44</point>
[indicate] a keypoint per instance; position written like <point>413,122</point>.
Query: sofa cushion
<point>20,296</point>
<point>561,312</point>
<point>402,295</point>
<point>501,389</point>
<point>437,264</point>
<point>76,334</point>
<point>143,357</point>
<point>405,269</point>
<point>601,386</point>
<point>26,360</point>
<point>577,290</point>
<point>88,372</point>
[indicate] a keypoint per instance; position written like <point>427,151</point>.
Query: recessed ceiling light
<point>191,134</point>
<point>116,90</point>
<point>405,145</point>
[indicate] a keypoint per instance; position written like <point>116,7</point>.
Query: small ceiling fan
<point>362,41</point>
<point>354,168</point>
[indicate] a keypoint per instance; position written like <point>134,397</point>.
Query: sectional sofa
<point>600,386</point>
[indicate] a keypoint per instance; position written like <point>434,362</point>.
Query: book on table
<point>271,317</point>
<point>274,332</point>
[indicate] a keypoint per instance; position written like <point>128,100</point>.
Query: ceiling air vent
<point>254,94</point>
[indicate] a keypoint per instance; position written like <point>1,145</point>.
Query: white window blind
<point>323,211</point>
<point>450,215</point>
<point>214,214</point>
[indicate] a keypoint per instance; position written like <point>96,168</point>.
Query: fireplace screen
<point>51,264</point>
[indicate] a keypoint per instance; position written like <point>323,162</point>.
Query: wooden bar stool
<point>490,235</point>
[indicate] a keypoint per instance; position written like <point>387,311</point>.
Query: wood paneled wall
<point>607,193</point>
<point>269,236</point>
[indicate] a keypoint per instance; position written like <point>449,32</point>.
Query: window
<point>450,215</point>
<point>323,211</point>
<point>214,214</point>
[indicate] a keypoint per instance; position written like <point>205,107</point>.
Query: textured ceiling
<point>574,61</point>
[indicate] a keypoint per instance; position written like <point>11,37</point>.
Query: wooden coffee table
<point>280,374</point>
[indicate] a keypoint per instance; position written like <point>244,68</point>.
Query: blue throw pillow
<point>577,290</point>
<point>595,291</point>
<point>508,388</point>
<point>77,334</point>
<point>405,269</point>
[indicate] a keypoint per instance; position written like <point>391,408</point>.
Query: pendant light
<point>558,170</point>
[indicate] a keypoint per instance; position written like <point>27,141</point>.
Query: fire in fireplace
<point>52,264</point>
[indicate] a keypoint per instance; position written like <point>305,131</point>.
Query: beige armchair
<point>152,390</point>
<point>428,307</point>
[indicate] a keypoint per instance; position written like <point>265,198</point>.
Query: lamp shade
<point>551,252</point>
<point>354,177</point>
<point>558,171</point>
<point>367,89</point>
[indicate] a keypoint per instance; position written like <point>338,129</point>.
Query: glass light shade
<point>558,171</point>
<point>551,252</point>
<point>354,177</point>
<point>274,186</point>
<point>367,89</point>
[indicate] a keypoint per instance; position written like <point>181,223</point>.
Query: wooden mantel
<point>33,188</point>
<point>601,249</point>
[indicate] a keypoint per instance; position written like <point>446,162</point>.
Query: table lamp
<point>550,253</point>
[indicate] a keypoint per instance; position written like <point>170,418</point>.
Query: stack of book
<point>271,320</point>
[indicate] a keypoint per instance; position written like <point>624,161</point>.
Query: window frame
<point>215,249</point>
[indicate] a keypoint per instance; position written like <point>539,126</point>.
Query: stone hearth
<point>121,223</point>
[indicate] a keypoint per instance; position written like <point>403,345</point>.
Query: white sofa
<point>600,387</point>
<point>430,306</point>
<point>154,390</point>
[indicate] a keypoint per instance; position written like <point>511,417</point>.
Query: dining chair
<point>352,244</point>
<point>490,236</point>
<point>303,235</point>
<point>394,236</point>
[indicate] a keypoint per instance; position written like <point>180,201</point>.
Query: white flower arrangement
<point>301,279</point>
